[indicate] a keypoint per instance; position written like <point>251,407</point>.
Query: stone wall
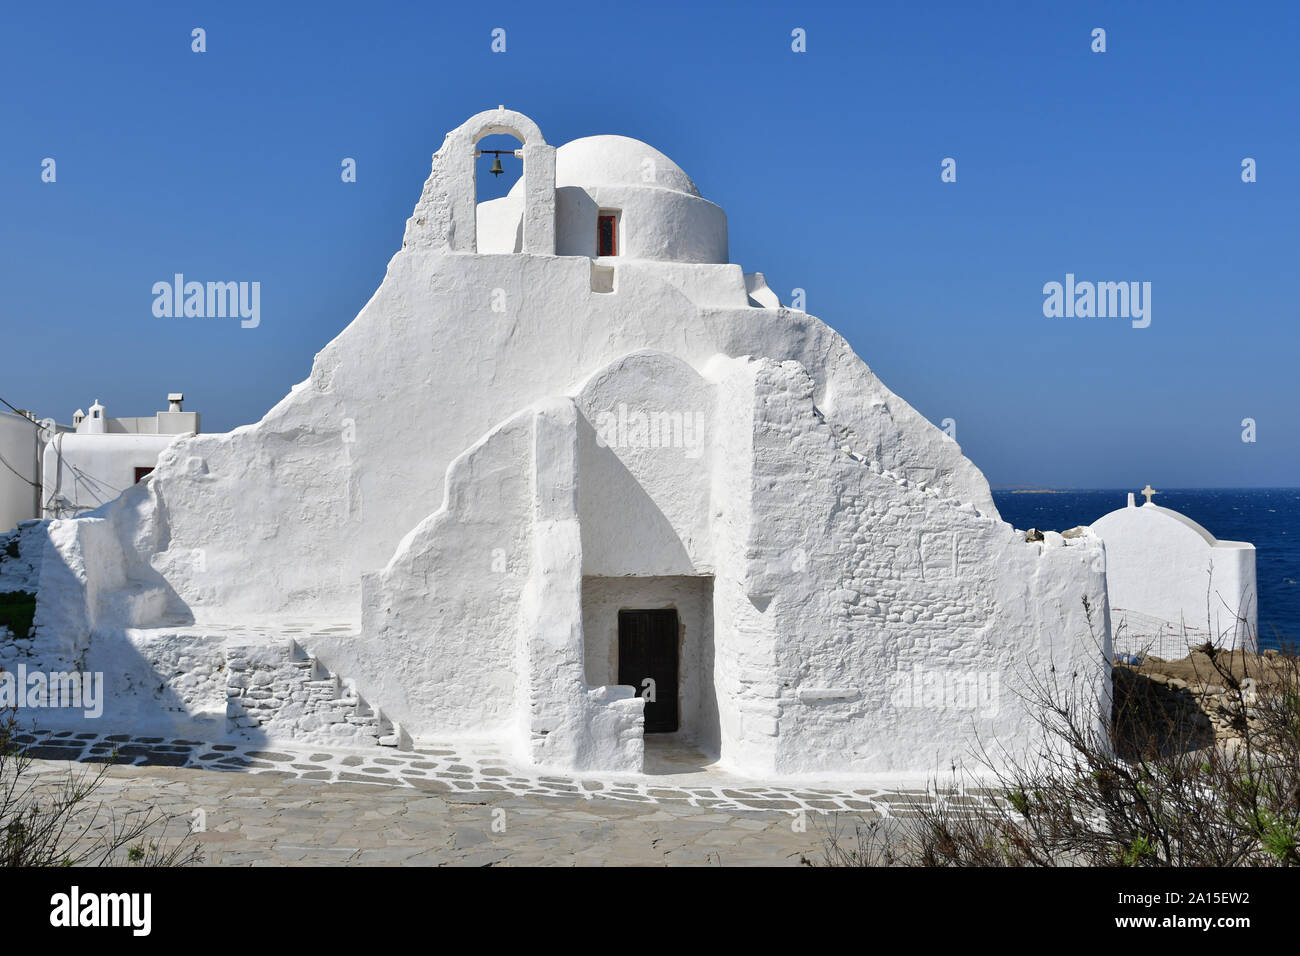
<point>901,620</point>
<point>285,516</point>
<point>209,683</point>
<point>422,480</point>
<point>279,692</point>
<point>23,554</point>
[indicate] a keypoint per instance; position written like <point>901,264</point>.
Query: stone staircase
<point>254,682</point>
<point>282,692</point>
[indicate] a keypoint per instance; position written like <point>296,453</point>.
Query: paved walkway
<point>445,805</point>
<point>674,774</point>
<point>267,819</point>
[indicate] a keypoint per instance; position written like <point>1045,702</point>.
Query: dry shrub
<point>58,822</point>
<point>1151,786</point>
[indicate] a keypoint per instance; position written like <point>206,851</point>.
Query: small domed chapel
<point>574,482</point>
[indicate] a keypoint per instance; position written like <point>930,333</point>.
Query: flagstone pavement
<point>456,805</point>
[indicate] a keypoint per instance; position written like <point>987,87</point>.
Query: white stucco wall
<point>820,539</point>
<point>20,470</point>
<point>902,623</point>
<point>565,721</point>
<point>653,223</point>
<point>645,452</point>
<point>692,599</point>
<point>662,216</point>
<point>440,621</point>
<point>500,224</point>
<point>81,472</point>
<point>1164,567</point>
<point>840,589</point>
<point>340,479</point>
<point>161,423</point>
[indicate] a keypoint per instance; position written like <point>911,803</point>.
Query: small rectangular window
<point>607,234</point>
<point>141,472</point>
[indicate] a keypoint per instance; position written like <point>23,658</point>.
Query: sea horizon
<point>1089,488</point>
<point>1267,517</point>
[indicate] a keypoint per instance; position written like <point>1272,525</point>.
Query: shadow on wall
<point>157,693</point>
<point>117,704</point>
<point>624,531</point>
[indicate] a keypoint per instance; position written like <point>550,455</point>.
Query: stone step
<point>333,697</point>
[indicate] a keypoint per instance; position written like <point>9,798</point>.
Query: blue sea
<point>1269,518</point>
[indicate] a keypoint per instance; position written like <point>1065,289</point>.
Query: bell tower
<point>445,216</point>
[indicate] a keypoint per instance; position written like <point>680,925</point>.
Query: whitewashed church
<point>629,494</point>
<point>1172,585</point>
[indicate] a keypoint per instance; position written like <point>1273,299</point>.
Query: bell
<point>496,169</point>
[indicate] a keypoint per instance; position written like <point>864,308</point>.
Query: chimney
<point>97,422</point>
<point>174,400</point>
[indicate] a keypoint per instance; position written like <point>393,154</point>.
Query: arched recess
<point>445,216</point>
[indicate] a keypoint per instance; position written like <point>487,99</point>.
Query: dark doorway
<point>647,647</point>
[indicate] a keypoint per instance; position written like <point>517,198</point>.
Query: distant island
<point>1023,490</point>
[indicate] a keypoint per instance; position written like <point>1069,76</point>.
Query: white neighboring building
<point>22,439</point>
<point>105,456</point>
<point>1173,584</point>
<point>620,460</point>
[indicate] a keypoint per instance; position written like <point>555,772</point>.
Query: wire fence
<point>1144,635</point>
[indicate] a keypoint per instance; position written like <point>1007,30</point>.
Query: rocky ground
<point>1197,700</point>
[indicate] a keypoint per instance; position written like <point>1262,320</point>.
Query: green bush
<point>17,610</point>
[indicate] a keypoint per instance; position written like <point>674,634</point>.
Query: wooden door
<point>647,648</point>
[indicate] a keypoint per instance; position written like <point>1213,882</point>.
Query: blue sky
<point>1115,166</point>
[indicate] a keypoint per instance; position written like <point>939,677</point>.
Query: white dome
<point>660,214</point>
<point>616,161</point>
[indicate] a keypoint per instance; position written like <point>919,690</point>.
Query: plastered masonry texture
<point>651,429</point>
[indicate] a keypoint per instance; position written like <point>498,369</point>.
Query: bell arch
<point>445,216</point>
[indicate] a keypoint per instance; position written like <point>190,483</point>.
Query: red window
<point>607,235</point>
<point>141,472</point>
